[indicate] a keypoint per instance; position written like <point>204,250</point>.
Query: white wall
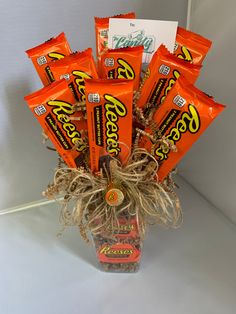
<point>210,165</point>
<point>26,166</point>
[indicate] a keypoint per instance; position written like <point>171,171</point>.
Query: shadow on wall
<point>165,10</point>
<point>21,147</point>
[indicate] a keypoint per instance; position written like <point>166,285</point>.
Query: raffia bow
<point>145,199</point>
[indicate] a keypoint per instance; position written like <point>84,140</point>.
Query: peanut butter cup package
<point>164,69</point>
<point>190,46</point>
<point>184,116</point>
<point>53,106</point>
<point>54,49</point>
<point>75,68</point>
<point>123,63</point>
<point>109,114</point>
<point>101,32</point>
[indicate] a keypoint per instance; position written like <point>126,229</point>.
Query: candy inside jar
<point>121,250</point>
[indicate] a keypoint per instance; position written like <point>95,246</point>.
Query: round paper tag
<point>114,197</point>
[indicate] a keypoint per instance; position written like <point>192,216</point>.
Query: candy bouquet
<point>120,131</point>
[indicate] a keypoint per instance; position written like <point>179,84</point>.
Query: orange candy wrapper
<point>54,49</point>
<point>101,32</point>
<point>109,114</point>
<point>123,63</point>
<point>75,68</point>
<point>53,106</point>
<point>184,116</point>
<point>164,69</point>
<point>190,46</point>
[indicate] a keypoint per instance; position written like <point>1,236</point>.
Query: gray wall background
<point>210,165</point>
<point>26,166</point>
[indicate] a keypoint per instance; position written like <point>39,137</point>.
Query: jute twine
<point>145,199</point>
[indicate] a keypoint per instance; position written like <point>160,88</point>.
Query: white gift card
<point>148,33</point>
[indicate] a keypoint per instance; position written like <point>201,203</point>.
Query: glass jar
<point>119,251</point>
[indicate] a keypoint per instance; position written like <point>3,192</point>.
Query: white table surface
<point>186,271</point>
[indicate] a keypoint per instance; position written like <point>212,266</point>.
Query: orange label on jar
<point>118,253</point>
<point>127,228</point>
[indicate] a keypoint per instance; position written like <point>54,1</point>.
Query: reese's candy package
<point>190,46</point>
<point>184,116</point>
<point>109,114</point>
<point>125,63</point>
<point>164,69</point>
<point>75,68</point>
<point>101,31</point>
<point>53,106</point>
<point>54,49</point>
